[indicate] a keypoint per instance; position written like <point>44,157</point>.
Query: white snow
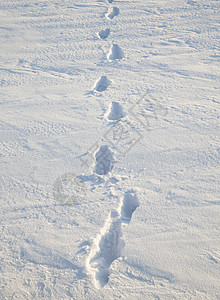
<point>96,205</point>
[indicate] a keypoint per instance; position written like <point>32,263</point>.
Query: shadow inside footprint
<point>103,34</point>
<point>115,111</point>
<point>102,84</point>
<point>110,247</point>
<point>115,52</point>
<point>113,13</point>
<point>109,243</point>
<point>130,204</point>
<point>104,161</point>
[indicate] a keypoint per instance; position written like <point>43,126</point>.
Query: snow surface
<point>149,228</point>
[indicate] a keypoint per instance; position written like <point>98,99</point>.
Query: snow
<point>109,148</point>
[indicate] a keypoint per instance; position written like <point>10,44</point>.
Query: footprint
<point>115,52</point>
<point>108,245</point>
<point>113,12</point>
<point>101,84</point>
<point>109,248</point>
<point>115,111</point>
<point>103,34</point>
<point>104,161</point>
<point>110,1</point>
<point>130,204</point>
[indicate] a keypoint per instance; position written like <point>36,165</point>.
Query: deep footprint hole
<point>115,12</point>
<point>103,34</point>
<point>130,204</point>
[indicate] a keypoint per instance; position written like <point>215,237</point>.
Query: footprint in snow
<point>115,111</point>
<point>115,52</point>
<point>103,34</point>
<point>130,204</point>
<point>113,12</point>
<point>101,84</point>
<point>108,244</point>
<point>104,161</point>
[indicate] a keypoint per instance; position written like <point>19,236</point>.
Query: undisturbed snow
<point>109,148</point>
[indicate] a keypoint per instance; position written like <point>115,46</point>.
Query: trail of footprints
<point>108,244</point>
<point>114,53</point>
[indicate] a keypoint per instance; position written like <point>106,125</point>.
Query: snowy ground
<point>109,148</point>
